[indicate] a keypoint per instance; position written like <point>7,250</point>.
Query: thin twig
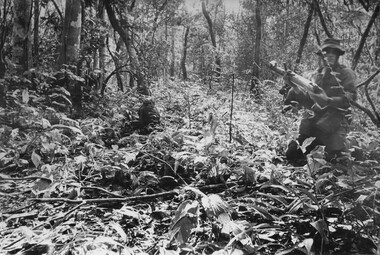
<point>20,209</point>
<point>369,79</point>
<point>367,111</point>
<point>58,10</point>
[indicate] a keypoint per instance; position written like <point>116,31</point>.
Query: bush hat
<point>333,44</point>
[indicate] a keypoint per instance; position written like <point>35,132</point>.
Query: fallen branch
<point>103,190</point>
<point>105,200</point>
<point>19,209</point>
<point>44,223</point>
<point>368,112</point>
<point>26,178</point>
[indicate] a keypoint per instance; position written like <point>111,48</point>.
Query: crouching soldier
<point>329,125</point>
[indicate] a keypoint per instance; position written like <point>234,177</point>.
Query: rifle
<point>298,82</point>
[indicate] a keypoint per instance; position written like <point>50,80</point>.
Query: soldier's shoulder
<point>346,71</point>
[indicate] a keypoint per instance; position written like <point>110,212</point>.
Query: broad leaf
<point>306,143</point>
<point>36,159</point>
<point>25,96</point>
<point>184,221</point>
<point>322,228</point>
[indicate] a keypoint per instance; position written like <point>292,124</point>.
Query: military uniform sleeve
<point>348,81</point>
<point>298,99</point>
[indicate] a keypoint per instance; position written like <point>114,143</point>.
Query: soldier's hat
<point>332,43</point>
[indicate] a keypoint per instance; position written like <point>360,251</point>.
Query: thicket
<point>81,173</point>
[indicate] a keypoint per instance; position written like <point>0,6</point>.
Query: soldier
<point>329,125</point>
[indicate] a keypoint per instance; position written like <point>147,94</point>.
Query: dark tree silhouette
<point>212,35</point>
<point>184,53</point>
<point>365,35</point>
<point>305,33</point>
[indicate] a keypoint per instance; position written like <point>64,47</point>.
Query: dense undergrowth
<point>207,181</point>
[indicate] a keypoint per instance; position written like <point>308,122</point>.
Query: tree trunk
<point>364,36</point>
<point>323,23</point>
<point>5,30</point>
<point>126,37</point>
<point>21,35</point>
<point>184,53</point>
<point>102,49</point>
<point>213,40</point>
<point>71,33</point>
<point>118,68</point>
<point>256,64</point>
<point>36,33</point>
<point>70,47</point>
<point>305,33</point>
<point>172,62</point>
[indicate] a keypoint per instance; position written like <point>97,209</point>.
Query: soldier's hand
<point>287,78</point>
<point>288,81</point>
<point>287,108</point>
<point>320,98</point>
<point>317,89</point>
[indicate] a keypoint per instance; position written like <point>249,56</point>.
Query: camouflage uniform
<point>329,126</point>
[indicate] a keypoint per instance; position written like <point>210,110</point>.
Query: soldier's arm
<point>348,82</point>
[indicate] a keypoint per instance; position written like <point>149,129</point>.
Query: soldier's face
<point>331,56</point>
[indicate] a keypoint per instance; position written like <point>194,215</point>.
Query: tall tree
<point>126,36</point>
<point>375,14</point>
<point>172,49</point>
<point>305,33</point>
<point>184,53</point>
<point>21,35</point>
<point>5,30</point>
<point>256,64</point>
<point>212,36</point>
<point>71,33</point>
<point>35,33</point>
<point>321,18</point>
<point>102,47</point>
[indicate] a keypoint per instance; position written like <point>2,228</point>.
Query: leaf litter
<point>81,187</point>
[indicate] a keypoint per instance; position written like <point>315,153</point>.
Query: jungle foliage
<point>157,128</point>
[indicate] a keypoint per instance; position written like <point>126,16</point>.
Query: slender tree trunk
<point>377,51</point>
<point>172,62</point>
<point>305,33</point>
<point>71,33</point>
<point>102,49</point>
<point>184,53</point>
<point>321,18</point>
<point>256,64</point>
<point>364,36</point>
<point>124,77</point>
<point>126,37</point>
<point>213,40</point>
<point>118,76</point>
<point>21,35</point>
<point>36,32</point>
<point>4,32</point>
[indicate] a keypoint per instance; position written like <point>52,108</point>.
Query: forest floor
<point>208,180</point>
